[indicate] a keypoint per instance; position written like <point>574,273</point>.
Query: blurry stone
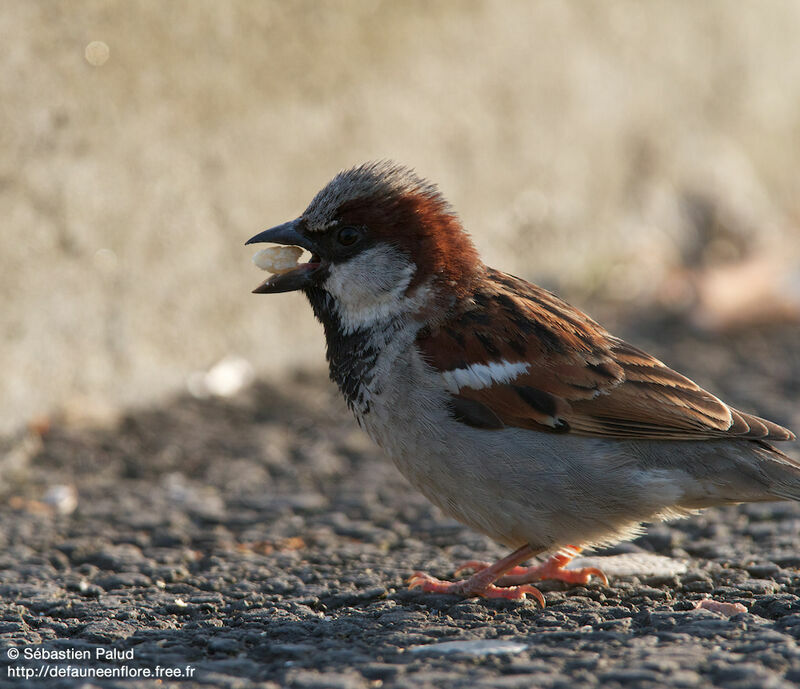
<point>632,564</point>
<point>122,557</point>
<point>224,379</point>
<point>40,425</point>
<point>203,501</point>
<point>88,411</point>
<point>728,245</point>
<point>16,452</point>
<point>483,647</point>
<point>107,631</point>
<point>20,504</point>
<point>225,645</point>
<point>305,679</point>
<point>758,290</point>
<point>122,580</point>
<point>63,498</point>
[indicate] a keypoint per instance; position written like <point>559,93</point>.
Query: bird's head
<point>382,240</point>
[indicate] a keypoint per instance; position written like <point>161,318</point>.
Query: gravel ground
<point>262,541</point>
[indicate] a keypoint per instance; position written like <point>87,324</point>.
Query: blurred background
<point>639,158</point>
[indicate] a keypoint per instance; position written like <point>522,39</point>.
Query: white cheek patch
<point>370,287</point>
<point>480,376</point>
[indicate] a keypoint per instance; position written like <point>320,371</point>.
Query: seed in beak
<point>278,259</point>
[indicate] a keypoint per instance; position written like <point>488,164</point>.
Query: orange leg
<point>553,568</point>
<point>482,583</point>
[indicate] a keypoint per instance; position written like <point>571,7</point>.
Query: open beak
<point>297,278</point>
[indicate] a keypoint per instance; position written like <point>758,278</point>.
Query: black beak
<point>287,234</point>
<point>298,278</point>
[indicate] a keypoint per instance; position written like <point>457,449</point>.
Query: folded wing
<point>516,355</point>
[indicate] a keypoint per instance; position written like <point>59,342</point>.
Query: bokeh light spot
<point>97,53</point>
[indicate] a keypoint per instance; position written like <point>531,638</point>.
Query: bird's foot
<point>474,586</point>
<point>554,568</point>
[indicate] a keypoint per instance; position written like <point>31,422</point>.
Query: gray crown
<point>375,180</point>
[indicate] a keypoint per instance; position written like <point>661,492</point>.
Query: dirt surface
<point>262,541</point>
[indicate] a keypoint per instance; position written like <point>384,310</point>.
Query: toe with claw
<point>470,587</point>
<point>554,568</point>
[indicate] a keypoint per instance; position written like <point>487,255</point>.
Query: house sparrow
<point>512,411</point>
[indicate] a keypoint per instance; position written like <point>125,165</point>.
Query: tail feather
<point>782,471</point>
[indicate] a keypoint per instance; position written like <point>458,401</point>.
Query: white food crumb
<point>278,259</point>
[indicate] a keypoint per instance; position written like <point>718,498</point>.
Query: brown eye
<point>348,236</point>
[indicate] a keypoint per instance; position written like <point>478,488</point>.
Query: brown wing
<point>580,379</point>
